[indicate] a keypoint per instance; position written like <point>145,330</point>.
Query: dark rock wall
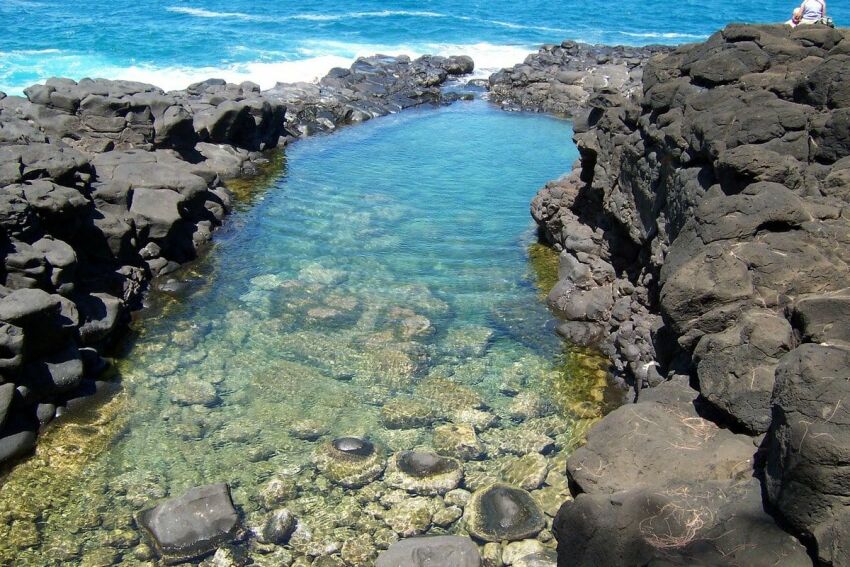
<point>705,234</point>
<point>107,184</point>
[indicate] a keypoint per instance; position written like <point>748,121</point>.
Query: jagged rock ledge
<point>561,79</point>
<point>107,184</point>
<point>704,241</point>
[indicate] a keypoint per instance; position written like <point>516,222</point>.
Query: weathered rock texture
<point>561,78</point>
<point>106,184</point>
<point>705,234</point>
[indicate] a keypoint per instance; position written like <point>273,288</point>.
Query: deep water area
<point>385,284</point>
<point>172,43</point>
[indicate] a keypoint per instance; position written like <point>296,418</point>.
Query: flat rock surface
<point>701,523</point>
<point>192,524</point>
<point>665,443</point>
<point>437,551</point>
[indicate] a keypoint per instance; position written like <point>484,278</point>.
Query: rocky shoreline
<point>108,184</point>
<point>703,245</point>
<point>702,241</point>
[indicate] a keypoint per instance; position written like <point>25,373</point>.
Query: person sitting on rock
<point>796,16</point>
<point>813,11</point>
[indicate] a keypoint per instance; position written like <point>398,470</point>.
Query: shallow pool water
<point>385,285</point>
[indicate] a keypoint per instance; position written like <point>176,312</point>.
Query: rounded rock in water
<point>459,441</point>
<point>407,413</point>
<point>501,512</point>
<point>278,527</point>
<point>308,430</point>
<point>528,472</point>
<point>349,461</point>
<point>423,472</point>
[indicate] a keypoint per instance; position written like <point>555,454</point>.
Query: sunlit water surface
<point>388,271</point>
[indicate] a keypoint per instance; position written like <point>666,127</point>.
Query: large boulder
<point>16,444</point>
<point>736,367</point>
<point>7,395</point>
<point>39,315</point>
<point>501,512</point>
<point>699,523</point>
<point>824,318</point>
<point>100,315</point>
<point>676,444</point>
<point>193,524</point>
<point>809,448</point>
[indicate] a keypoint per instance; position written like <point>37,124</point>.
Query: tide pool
<point>386,284</point>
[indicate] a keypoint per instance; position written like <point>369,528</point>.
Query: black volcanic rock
<point>808,456</point>
<point>563,78</point>
<point>502,512</point>
<point>193,524</point>
<point>718,199</point>
<point>708,523</point>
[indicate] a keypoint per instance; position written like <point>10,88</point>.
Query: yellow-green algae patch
<point>246,190</point>
<point>581,386</point>
<point>580,382</point>
<point>543,260</point>
<point>55,487</point>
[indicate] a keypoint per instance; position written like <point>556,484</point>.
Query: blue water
<point>172,42</point>
<point>388,263</point>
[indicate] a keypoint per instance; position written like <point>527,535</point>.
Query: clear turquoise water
<point>389,263</point>
<point>172,42</point>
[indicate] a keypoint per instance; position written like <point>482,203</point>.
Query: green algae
<point>543,260</point>
<point>246,190</point>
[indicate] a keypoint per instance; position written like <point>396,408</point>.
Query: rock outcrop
<point>107,184</point>
<point>562,78</point>
<point>703,239</point>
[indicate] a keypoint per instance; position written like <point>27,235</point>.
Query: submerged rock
<point>527,472</point>
<point>193,524</point>
<point>407,413</point>
<point>278,527</point>
<point>502,512</point>
<point>458,441</point>
<point>349,461</point>
<point>423,473</point>
<point>438,551</point>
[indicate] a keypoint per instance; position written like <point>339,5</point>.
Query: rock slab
<point>193,524</point>
<point>437,551</point>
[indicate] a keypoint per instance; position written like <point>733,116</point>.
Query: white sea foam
<point>355,15</point>
<point>511,25</point>
<point>318,57</point>
<point>201,13</point>
<point>266,68</point>
<point>487,56</point>
<point>662,35</point>
<point>24,52</point>
<point>264,73</point>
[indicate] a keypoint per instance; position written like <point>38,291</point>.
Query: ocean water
<point>172,43</point>
<point>383,281</point>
